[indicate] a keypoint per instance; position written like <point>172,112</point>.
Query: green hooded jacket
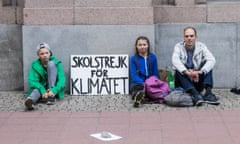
<point>38,78</point>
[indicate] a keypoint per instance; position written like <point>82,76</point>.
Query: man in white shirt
<point>193,63</point>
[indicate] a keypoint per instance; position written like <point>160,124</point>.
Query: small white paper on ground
<point>98,136</point>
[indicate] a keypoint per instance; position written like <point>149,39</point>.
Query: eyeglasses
<point>186,36</point>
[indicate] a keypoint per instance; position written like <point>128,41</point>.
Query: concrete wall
<point>221,39</point>
<point>111,27</point>
<point>67,40</point>
<point>11,69</point>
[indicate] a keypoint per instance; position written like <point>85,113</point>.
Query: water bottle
<point>171,80</point>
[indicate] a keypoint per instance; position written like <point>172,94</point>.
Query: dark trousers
<point>135,88</point>
<point>185,82</point>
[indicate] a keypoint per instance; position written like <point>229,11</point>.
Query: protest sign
<point>99,74</point>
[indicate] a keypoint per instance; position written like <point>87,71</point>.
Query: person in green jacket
<point>46,78</point>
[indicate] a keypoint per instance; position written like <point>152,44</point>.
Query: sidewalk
<point>72,120</point>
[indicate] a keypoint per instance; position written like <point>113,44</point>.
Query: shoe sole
<point>237,93</point>
<point>199,103</point>
<point>138,99</point>
<point>50,103</point>
<point>28,104</point>
<point>213,103</point>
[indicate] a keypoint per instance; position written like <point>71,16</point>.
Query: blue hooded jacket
<point>141,68</point>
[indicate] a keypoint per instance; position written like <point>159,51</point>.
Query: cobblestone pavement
<point>13,101</point>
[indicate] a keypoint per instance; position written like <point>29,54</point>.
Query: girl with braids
<point>142,65</point>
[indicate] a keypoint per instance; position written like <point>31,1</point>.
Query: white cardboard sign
<point>99,74</point>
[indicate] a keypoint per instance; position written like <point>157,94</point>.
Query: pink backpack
<point>156,89</point>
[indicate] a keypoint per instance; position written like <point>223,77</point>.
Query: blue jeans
<point>185,82</point>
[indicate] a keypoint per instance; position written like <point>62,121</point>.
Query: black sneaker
<point>29,104</point>
<point>198,99</point>
<point>211,99</point>
<point>235,91</point>
<point>134,94</point>
<point>51,101</point>
<point>139,98</point>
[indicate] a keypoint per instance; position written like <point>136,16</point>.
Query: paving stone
<point>14,101</point>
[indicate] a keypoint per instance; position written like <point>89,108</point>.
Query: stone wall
<point>88,12</point>
<point>221,39</point>
<point>118,39</point>
<point>111,27</point>
<point>81,39</point>
<point>11,11</point>
<point>11,69</point>
<point>117,12</point>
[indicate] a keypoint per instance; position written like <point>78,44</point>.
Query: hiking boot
<point>29,104</point>
<point>210,98</point>
<point>235,91</point>
<point>198,99</point>
<point>51,101</point>
<point>139,98</point>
